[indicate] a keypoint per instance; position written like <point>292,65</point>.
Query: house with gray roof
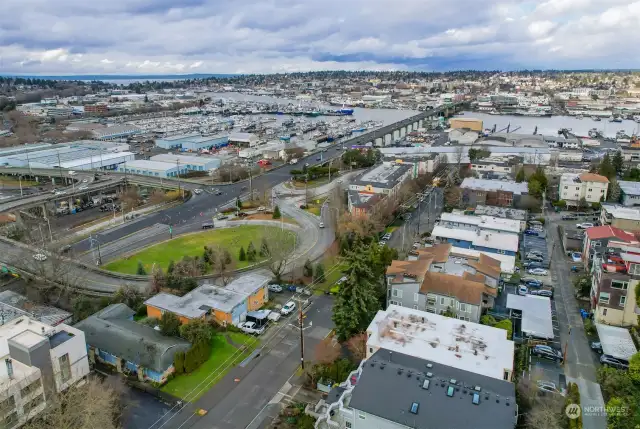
<point>115,339</point>
<point>393,390</point>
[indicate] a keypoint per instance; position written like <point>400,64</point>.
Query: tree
<point>129,296</point>
<point>634,367</point>
<point>169,324</point>
<point>327,351</point>
<point>307,270</point>
<point>276,213</point>
<point>357,301</point>
<point>264,248</point>
<point>141,270</point>
<point>453,197</point>
<point>535,188</point>
<point>238,203</point>
<point>606,167</point>
<point>242,256</point>
<point>94,404</point>
<point>616,418</point>
<point>251,252</point>
<point>520,176</point>
<point>157,281</point>
<point>506,325</point>
<point>196,331</point>
<point>614,192</point>
<point>171,267</point>
<point>178,362</point>
<point>583,204</point>
<point>458,155</point>
<point>357,346</point>
<point>618,161</point>
<point>280,251</point>
<point>319,274</point>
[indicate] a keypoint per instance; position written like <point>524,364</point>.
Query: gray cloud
<point>224,36</point>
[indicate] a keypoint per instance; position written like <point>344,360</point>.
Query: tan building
<point>627,218</point>
<point>574,187</point>
<point>468,123</point>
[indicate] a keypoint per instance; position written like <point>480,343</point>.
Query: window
<point>10,420</point>
<point>604,298</point>
<point>431,300</point>
<point>463,307</point>
<point>396,293</point>
<point>431,310</point>
<point>34,403</point>
<point>65,367</point>
<point>414,408</point>
<point>395,303</point>
<point>425,384</point>
<point>30,388</point>
<point>371,350</point>
<point>347,425</point>
<point>604,312</point>
<point>505,376</point>
<point>590,189</point>
<point>634,269</point>
<point>7,405</point>
<point>617,284</point>
<point>623,300</point>
<point>476,399</point>
<point>450,391</point>
<point>361,415</point>
<point>442,301</point>
<point>415,297</point>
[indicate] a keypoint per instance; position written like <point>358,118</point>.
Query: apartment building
<point>437,281</point>
<point>504,193</point>
<point>474,223</point>
<point>597,239</point>
<point>502,243</point>
<point>630,193</point>
<point>588,186</point>
<point>37,359</point>
<point>613,298</point>
<point>627,218</point>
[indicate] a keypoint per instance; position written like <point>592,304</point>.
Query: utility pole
<point>250,186</point>
<point>178,166</point>
<point>330,162</point>
<point>59,166</point>
<point>301,335</point>
<point>20,182</point>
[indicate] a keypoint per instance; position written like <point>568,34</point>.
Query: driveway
<point>580,365</point>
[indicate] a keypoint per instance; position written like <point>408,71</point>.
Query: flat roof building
<point>151,168</point>
<point>191,163</point>
<point>630,193</point>
<point>385,178</point>
<point>193,142</point>
<point>473,223</point>
<point>467,346</point>
<point>116,132</point>
<point>535,314</point>
<point>243,139</point>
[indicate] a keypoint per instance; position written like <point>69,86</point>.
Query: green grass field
<point>14,181</point>
<point>193,245</point>
<point>223,357</point>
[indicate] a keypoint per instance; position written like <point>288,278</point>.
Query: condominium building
<point>37,360</point>
<point>588,186</point>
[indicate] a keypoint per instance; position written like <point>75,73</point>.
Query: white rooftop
<point>536,314</point>
<point>184,159</point>
<point>481,237</point>
<point>96,160</point>
<point>495,185</point>
<point>150,165</point>
<point>622,212</point>
<point>629,188</point>
<point>616,341</point>
<point>488,222</point>
<point>464,345</point>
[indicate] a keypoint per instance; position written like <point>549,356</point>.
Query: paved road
<point>422,220</point>
<point>580,365</point>
<point>235,404</point>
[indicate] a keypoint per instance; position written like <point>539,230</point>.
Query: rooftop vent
<point>429,374</point>
<point>450,391</point>
<point>429,365</point>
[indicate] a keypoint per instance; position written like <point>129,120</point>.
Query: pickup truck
<point>252,328</point>
<point>293,161</point>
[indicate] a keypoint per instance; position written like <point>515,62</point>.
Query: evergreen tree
<point>606,167</point>
<point>141,271</point>
<point>178,362</point>
<point>171,267</point>
<point>242,256</point>
<point>169,324</point>
<point>264,248</point>
<point>227,256</point>
<point>251,252</point>
<point>307,270</point>
<point>319,274</point>
<point>618,161</point>
<point>276,213</point>
<point>356,303</point>
<point>238,203</point>
<point>520,177</point>
<point>614,193</point>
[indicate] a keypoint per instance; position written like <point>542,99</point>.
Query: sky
<point>68,37</point>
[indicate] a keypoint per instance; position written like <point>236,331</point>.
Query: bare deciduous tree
<point>95,404</point>
<point>327,351</point>
<point>281,250</point>
<point>221,262</point>
<point>357,345</point>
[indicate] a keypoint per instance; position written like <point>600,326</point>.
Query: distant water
<point>123,79</point>
<point>551,125</point>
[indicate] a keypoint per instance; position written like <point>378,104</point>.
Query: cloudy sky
<point>267,36</point>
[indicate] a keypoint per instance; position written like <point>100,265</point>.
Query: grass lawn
<point>311,183</point>
<point>313,210</point>
<point>390,229</point>
<point>193,245</point>
<point>333,268</point>
<point>223,357</point>
<point>14,181</point>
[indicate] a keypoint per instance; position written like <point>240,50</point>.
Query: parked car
<point>535,252</point>
<point>548,387</point>
<point>208,225</point>
<point>538,271</point>
<point>522,290</point>
<point>222,216</point>
<point>275,288</point>
<point>607,360</point>
<point>531,283</point>
<point>547,352</point>
<point>262,209</point>
<point>535,258</point>
<point>252,328</point>
<point>66,248</point>
<point>288,308</point>
<point>569,217</point>
<point>532,264</point>
<point>321,225</point>
<point>542,292</point>
<point>576,257</point>
<point>387,236</point>
<point>530,232</point>
<point>197,191</point>
<point>584,225</point>
<point>274,316</point>
<point>242,214</point>
<point>41,257</point>
<point>596,346</point>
